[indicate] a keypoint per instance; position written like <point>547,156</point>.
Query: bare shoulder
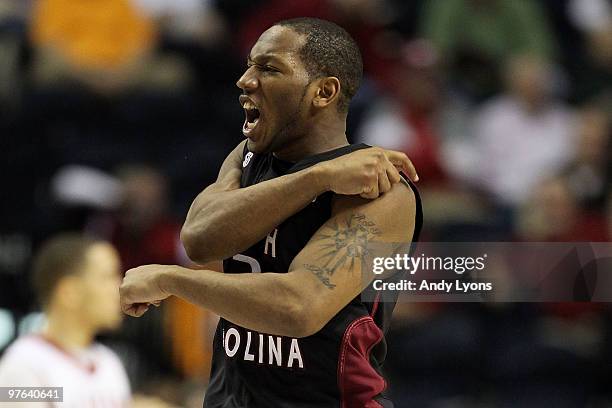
<point>240,147</point>
<point>231,169</point>
<point>236,155</point>
<point>393,213</point>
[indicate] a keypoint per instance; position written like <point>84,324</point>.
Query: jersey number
<point>255,267</point>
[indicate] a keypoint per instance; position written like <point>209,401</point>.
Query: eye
<point>263,68</point>
<point>267,68</point>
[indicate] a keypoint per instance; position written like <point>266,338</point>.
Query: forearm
<point>223,223</point>
<point>265,302</point>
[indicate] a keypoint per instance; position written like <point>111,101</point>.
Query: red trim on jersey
<point>89,368</point>
<point>358,381</point>
<point>375,306</point>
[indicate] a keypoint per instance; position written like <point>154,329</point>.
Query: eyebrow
<point>265,58</point>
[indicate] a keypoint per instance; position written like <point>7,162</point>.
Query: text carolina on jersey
<point>263,348</point>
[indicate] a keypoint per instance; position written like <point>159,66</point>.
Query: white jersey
<point>93,377</point>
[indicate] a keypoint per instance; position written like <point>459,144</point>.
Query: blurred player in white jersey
<point>77,282</point>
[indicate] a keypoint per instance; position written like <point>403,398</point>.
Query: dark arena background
<point>114,114</point>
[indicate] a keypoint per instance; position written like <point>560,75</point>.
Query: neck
<point>68,330</point>
<point>532,106</point>
<point>319,138</point>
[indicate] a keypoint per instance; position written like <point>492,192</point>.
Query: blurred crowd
<point>114,114</point>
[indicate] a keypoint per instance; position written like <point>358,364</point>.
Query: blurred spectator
<point>553,214</point>
<point>196,20</point>
<point>477,37</point>
<point>597,75</point>
<point>174,337</point>
<point>568,336</point>
<point>107,45</point>
<point>405,119</point>
<point>363,19</point>
<point>523,135</point>
<point>77,281</point>
<point>590,15</point>
<point>589,175</point>
<point>197,35</point>
<point>141,229</point>
<point>417,115</point>
<point>85,186</point>
<point>594,17</point>
<point>74,193</point>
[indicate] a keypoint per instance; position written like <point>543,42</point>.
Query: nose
<point>247,81</point>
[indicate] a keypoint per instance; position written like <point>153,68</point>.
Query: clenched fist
<point>141,288</point>
<point>367,172</point>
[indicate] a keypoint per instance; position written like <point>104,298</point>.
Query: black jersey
<point>339,366</point>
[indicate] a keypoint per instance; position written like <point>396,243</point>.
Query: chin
<point>112,324</point>
<point>257,147</point>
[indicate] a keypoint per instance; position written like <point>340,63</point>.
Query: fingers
<point>392,173</point>
<point>402,162</point>
<point>369,172</point>
<point>384,184</point>
<point>381,181</point>
<point>370,191</point>
<point>140,309</point>
<point>136,309</point>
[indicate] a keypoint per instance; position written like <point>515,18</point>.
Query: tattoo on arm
<point>342,244</point>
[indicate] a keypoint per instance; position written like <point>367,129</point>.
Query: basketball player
<point>76,280</point>
<point>295,212</point>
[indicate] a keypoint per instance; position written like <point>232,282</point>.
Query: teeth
<point>249,105</point>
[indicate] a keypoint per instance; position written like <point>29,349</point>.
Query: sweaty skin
<point>225,219</point>
<point>298,303</point>
<point>298,117</point>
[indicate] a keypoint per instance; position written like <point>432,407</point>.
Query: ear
<point>327,92</point>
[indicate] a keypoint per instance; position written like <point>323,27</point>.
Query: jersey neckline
<point>324,156</point>
<point>87,366</point>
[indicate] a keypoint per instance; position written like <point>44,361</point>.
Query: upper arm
<point>231,170</point>
<point>336,264</point>
<point>227,180</point>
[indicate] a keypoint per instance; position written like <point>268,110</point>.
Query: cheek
<point>287,98</point>
<point>104,295</point>
<point>111,290</point>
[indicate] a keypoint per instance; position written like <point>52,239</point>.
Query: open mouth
<point>252,116</point>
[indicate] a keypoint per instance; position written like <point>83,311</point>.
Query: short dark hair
<point>60,256</point>
<point>329,51</point>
